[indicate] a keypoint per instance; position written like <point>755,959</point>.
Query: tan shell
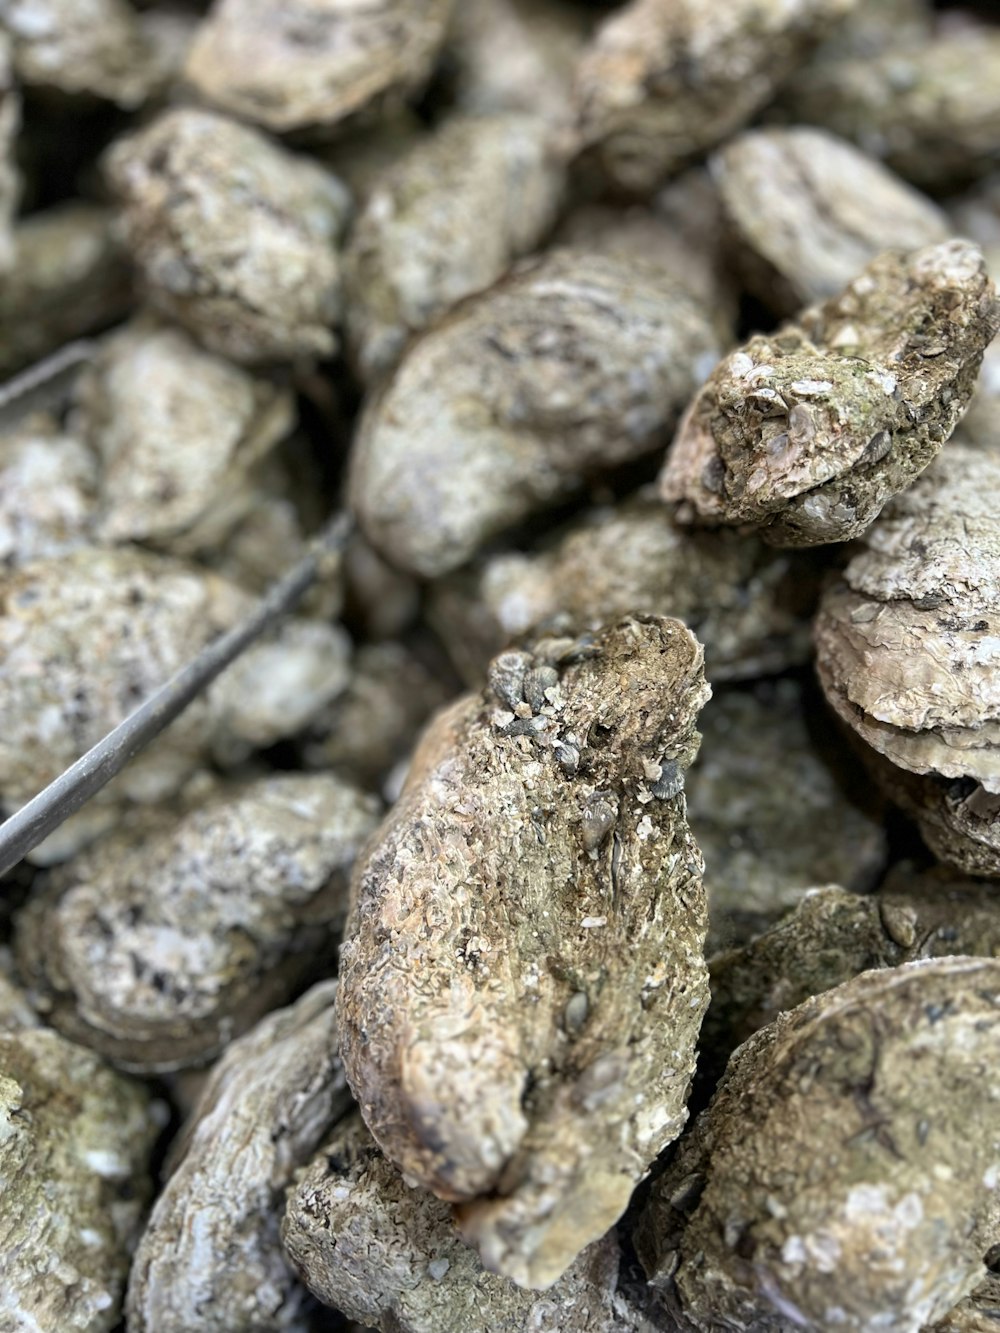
<point>958,818</point>
<point>977,1313</point>
<point>905,648</point>
<point>806,433</point>
<point>832,936</point>
<point>522,978</point>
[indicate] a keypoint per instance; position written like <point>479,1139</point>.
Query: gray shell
<point>111,627</point>
<point>292,67</point>
<point>371,728</point>
<point>388,1255</point>
<point>514,55</point>
<point>10,180</point>
<point>808,211</point>
<point>69,276</point>
<point>174,934</point>
<point>197,189</point>
<point>177,431</point>
<point>574,365</point>
<point>48,491</point>
<point>210,1257</point>
<point>747,603</point>
<point>93,47</point>
<point>444,221</point>
<point>663,80</point>
<point>845,1174</point>
<point>772,813</point>
<point>913,103</point>
<point>75,1146</point>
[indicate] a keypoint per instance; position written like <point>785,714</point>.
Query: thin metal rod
<point>44,382</point>
<point>63,797</point>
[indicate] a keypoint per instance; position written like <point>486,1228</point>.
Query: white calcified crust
<point>845,1174</point>
<point>908,643</point>
<point>747,603</point>
<point>662,80</point>
<point>210,1257</point>
<point>809,211</point>
<point>48,491</point>
<point>444,221</point>
<point>806,433</point>
<point>523,976</point>
<point>574,365</point>
<point>316,62</point>
<point>388,1255</point>
<point>166,939</point>
<point>75,1143</point>
<point>177,431</point>
<point>235,238</point>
